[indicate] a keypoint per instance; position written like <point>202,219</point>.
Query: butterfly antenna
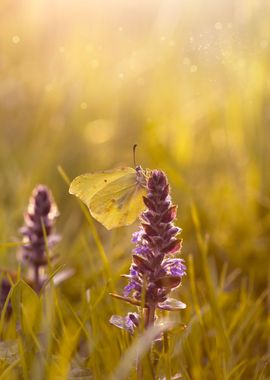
<point>134,154</point>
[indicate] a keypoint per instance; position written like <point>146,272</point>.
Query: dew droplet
<point>84,105</point>
<point>218,26</point>
<point>193,69</point>
<point>16,39</point>
<point>186,61</point>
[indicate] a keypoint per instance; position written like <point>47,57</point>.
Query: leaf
<point>26,305</point>
<point>9,351</point>
<point>80,374</point>
<point>171,304</point>
<point>78,368</point>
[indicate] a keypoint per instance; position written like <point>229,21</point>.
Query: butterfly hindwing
<point>119,203</point>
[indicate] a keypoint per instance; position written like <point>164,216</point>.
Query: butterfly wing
<point>120,203</point>
<point>85,186</point>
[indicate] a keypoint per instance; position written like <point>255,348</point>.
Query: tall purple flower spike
<point>155,269</point>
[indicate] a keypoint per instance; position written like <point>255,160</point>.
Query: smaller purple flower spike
<point>38,227</point>
<point>155,270</point>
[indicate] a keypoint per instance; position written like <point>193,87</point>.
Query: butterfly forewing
<point>120,203</point>
<point>87,185</point>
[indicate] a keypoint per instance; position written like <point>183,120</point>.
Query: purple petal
<point>141,250</point>
<point>137,236</point>
<point>172,304</point>
<point>128,288</point>
<point>174,267</point>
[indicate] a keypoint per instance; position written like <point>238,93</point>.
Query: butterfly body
<point>114,197</point>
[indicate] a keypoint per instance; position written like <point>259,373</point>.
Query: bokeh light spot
<point>16,39</point>
<point>218,26</point>
<point>99,131</point>
<point>186,61</point>
<point>84,105</point>
<point>193,68</point>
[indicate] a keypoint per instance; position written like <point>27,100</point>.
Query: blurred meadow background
<point>188,81</point>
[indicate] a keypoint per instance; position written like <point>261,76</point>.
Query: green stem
<point>149,316</point>
<point>36,278</point>
<point>149,320</point>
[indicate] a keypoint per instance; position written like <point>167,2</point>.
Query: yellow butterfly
<point>114,197</point>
